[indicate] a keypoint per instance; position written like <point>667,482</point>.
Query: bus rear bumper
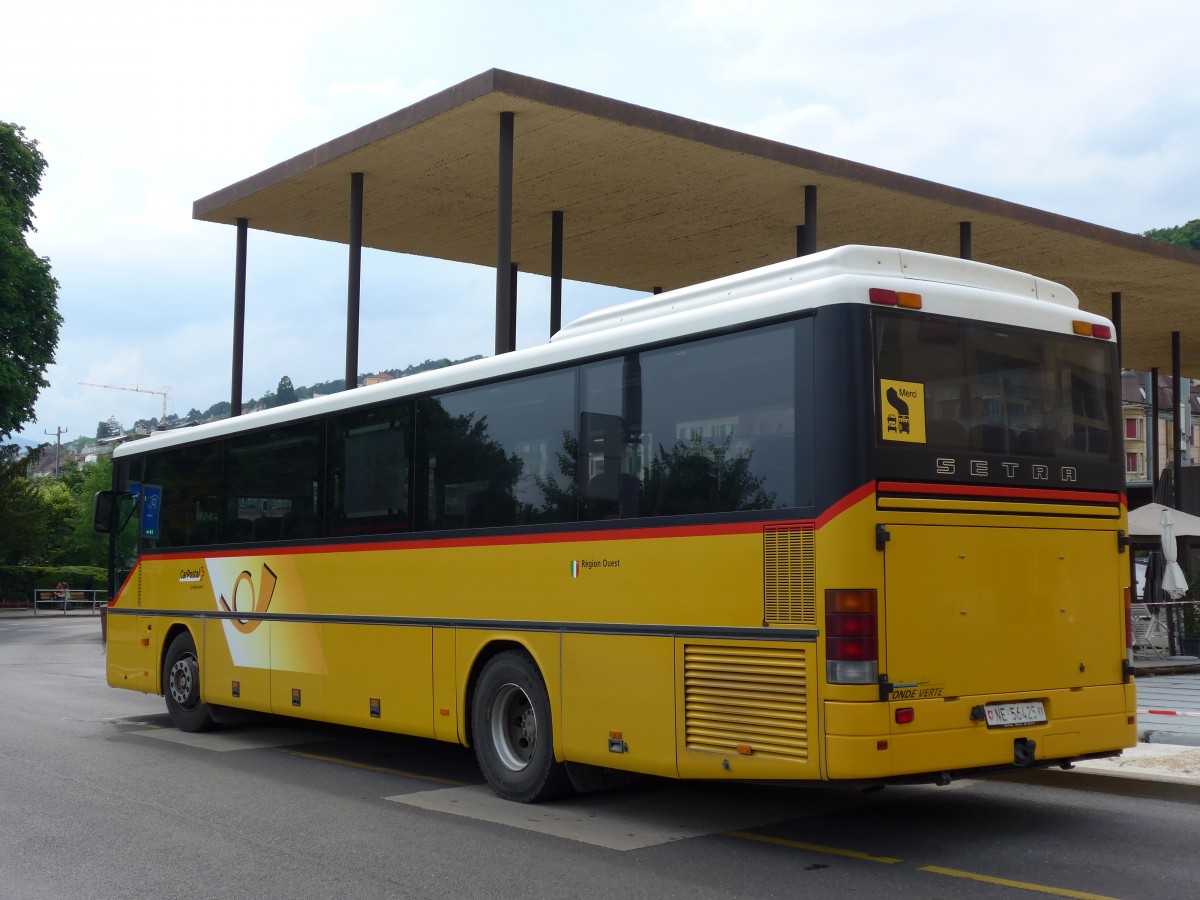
<point>863,741</point>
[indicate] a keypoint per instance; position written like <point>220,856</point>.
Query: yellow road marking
<point>354,765</point>
<point>935,870</point>
<point>1020,885</point>
<point>816,848</point>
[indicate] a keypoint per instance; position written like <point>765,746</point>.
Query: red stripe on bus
<point>1008,493</point>
<point>851,499</point>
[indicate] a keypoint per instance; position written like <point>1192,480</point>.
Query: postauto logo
<point>247,599</point>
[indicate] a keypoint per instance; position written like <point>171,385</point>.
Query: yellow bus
<point>857,517</point>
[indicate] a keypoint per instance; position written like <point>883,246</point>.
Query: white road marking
<point>633,819</point>
<point>231,739</point>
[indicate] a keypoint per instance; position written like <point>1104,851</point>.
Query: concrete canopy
<point>656,200</point>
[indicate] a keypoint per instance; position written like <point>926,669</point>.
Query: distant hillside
<point>221,409</point>
<point>322,388</point>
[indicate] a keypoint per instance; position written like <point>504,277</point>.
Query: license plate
<point>1006,715</point>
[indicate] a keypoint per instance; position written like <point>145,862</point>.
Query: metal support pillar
<point>806,234</point>
<point>505,297</point>
<point>354,279</point>
<point>1116,320</point>
<point>1153,442</point>
<point>512,307</point>
<point>239,318</point>
<point>964,240</point>
<point>556,270</point>
<point>1177,403</point>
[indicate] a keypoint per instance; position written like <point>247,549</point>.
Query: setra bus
<point>858,516</point>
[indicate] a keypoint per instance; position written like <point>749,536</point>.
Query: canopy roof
<point>655,200</point>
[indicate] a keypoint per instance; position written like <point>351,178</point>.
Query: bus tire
<point>181,686</point>
<point>512,731</point>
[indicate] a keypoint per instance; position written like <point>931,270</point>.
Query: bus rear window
<point>994,389</point>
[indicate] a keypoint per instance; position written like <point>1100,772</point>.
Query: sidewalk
<point>1164,763</point>
<point>26,612</point>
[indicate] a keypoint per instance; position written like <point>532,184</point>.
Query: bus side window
<point>497,455</point>
<point>189,499</point>
<point>270,475</point>
<point>704,407</point>
<point>370,475</point>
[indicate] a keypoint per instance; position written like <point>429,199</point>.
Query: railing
<point>1160,629</point>
<point>52,599</point>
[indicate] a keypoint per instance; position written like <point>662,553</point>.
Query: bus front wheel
<point>510,726</point>
<point>181,686</point>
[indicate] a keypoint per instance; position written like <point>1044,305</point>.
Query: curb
<point>1150,736</point>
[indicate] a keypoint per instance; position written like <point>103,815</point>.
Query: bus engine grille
<point>740,699</point>
<point>789,575</point>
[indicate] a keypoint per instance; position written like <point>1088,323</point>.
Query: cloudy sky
<point>1089,109</point>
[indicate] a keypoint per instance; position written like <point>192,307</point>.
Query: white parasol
<point>1174,585</point>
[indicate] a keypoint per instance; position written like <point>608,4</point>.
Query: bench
<point>48,598</point>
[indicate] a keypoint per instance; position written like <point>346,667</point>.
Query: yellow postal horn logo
<point>247,600</point>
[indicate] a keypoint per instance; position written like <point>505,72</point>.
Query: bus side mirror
<point>103,511</point>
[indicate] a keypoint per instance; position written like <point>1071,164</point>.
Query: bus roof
<point>951,286</point>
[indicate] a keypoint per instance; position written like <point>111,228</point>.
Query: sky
<point>1087,109</point>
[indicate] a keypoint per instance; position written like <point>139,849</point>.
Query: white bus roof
<point>949,286</point>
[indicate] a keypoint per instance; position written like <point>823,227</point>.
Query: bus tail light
<point>851,637</point>
<point>1092,329</point>
<point>903,299</point>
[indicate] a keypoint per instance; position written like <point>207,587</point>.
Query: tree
<point>219,410</point>
<point>29,319</point>
<point>58,512</point>
<point>109,428</point>
<point>82,545</point>
<point>1181,235</point>
<point>20,508</point>
<point>285,393</point>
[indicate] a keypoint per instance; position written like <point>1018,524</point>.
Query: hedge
<point>17,583</point>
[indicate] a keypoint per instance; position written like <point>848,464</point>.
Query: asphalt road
<point>101,798</point>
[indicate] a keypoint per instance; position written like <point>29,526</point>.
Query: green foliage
<point>219,410</point>
<point>49,519</point>
<point>21,508</point>
<point>21,168</point>
<point>29,319</point>
<point>57,515</point>
<point>109,428</point>
<point>1187,235</point>
<point>285,393</point>
<point>82,544</point>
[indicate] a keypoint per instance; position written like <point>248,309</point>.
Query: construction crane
<point>162,423</point>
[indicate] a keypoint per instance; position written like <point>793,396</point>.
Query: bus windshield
<point>996,389</point>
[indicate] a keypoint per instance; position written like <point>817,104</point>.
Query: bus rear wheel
<point>512,733</point>
<point>181,686</point>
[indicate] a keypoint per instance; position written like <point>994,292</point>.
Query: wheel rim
<point>514,727</point>
<point>181,681</point>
